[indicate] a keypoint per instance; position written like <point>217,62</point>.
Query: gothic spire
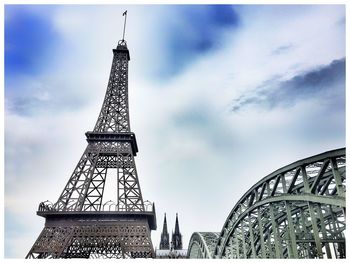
<point>177,228</point>
<point>164,239</point>
<point>176,236</point>
<point>165,226</point>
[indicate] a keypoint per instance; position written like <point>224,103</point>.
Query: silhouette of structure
<point>164,238</point>
<point>297,211</point>
<point>79,225</point>
<point>176,238</point>
<point>174,248</point>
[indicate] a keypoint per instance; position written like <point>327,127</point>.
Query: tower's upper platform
<point>122,48</point>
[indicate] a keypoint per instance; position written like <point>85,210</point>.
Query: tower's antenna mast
<point>124,14</point>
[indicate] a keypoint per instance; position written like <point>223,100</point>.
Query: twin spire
<point>176,239</point>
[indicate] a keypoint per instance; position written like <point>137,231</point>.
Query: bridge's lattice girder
<point>296,212</point>
<point>202,244</point>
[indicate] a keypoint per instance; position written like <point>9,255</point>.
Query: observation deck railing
<point>108,206</point>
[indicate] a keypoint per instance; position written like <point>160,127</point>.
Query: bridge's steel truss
<point>202,244</point>
<point>297,211</point>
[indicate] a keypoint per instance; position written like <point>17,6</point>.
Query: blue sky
<point>220,96</point>
<point>27,48</point>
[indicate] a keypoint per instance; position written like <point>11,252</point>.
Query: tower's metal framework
<point>79,225</point>
<point>296,212</point>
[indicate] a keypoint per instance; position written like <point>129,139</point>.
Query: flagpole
<point>124,14</point>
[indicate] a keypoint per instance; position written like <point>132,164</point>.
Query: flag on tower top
<point>125,12</point>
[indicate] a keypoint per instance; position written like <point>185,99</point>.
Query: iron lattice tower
<point>79,225</point>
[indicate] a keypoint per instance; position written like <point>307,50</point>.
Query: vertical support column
<point>276,234</point>
<point>237,245</point>
<point>337,178</point>
<point>291,229</point>
<point>261,234</point>
<point>243,239</point>
<point>129,191</point>
<point>334,224</point>
<point>252,246</point>
<point>272,253</point>
<point>305,180</point>
<point>333,227</point>
<point>93,157</point>
<point>93,199</point>
<point>323,229</point>
<point>315,230</point>
<point>231,248</point>
<point>312,214</point>
<point>65,201</point>
<point>291,232</point>
<point>304,230</point>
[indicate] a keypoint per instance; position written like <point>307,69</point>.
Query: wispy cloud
<point>323,82</point>
<point>282,49</point>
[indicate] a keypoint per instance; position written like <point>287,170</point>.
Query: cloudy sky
<point>220,96</point>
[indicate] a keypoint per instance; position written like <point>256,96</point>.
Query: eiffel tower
<point>79,225</point>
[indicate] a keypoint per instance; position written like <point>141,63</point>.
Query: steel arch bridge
<point>297,211</point>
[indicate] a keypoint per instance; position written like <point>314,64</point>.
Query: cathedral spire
<point>165,226</point>
<point>177,228</point>
<point>164,239</point>
<point>176,236</point>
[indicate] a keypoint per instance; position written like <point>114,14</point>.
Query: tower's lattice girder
<point>79,224</point>
<point>296,212</point>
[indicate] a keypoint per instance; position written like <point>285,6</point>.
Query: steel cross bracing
<point>296,212</point>
<point>202,245</point>
<point>79,224</point>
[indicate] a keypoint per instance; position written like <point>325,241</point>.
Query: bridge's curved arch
<point>297,211</point>
<point>202,244</point>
